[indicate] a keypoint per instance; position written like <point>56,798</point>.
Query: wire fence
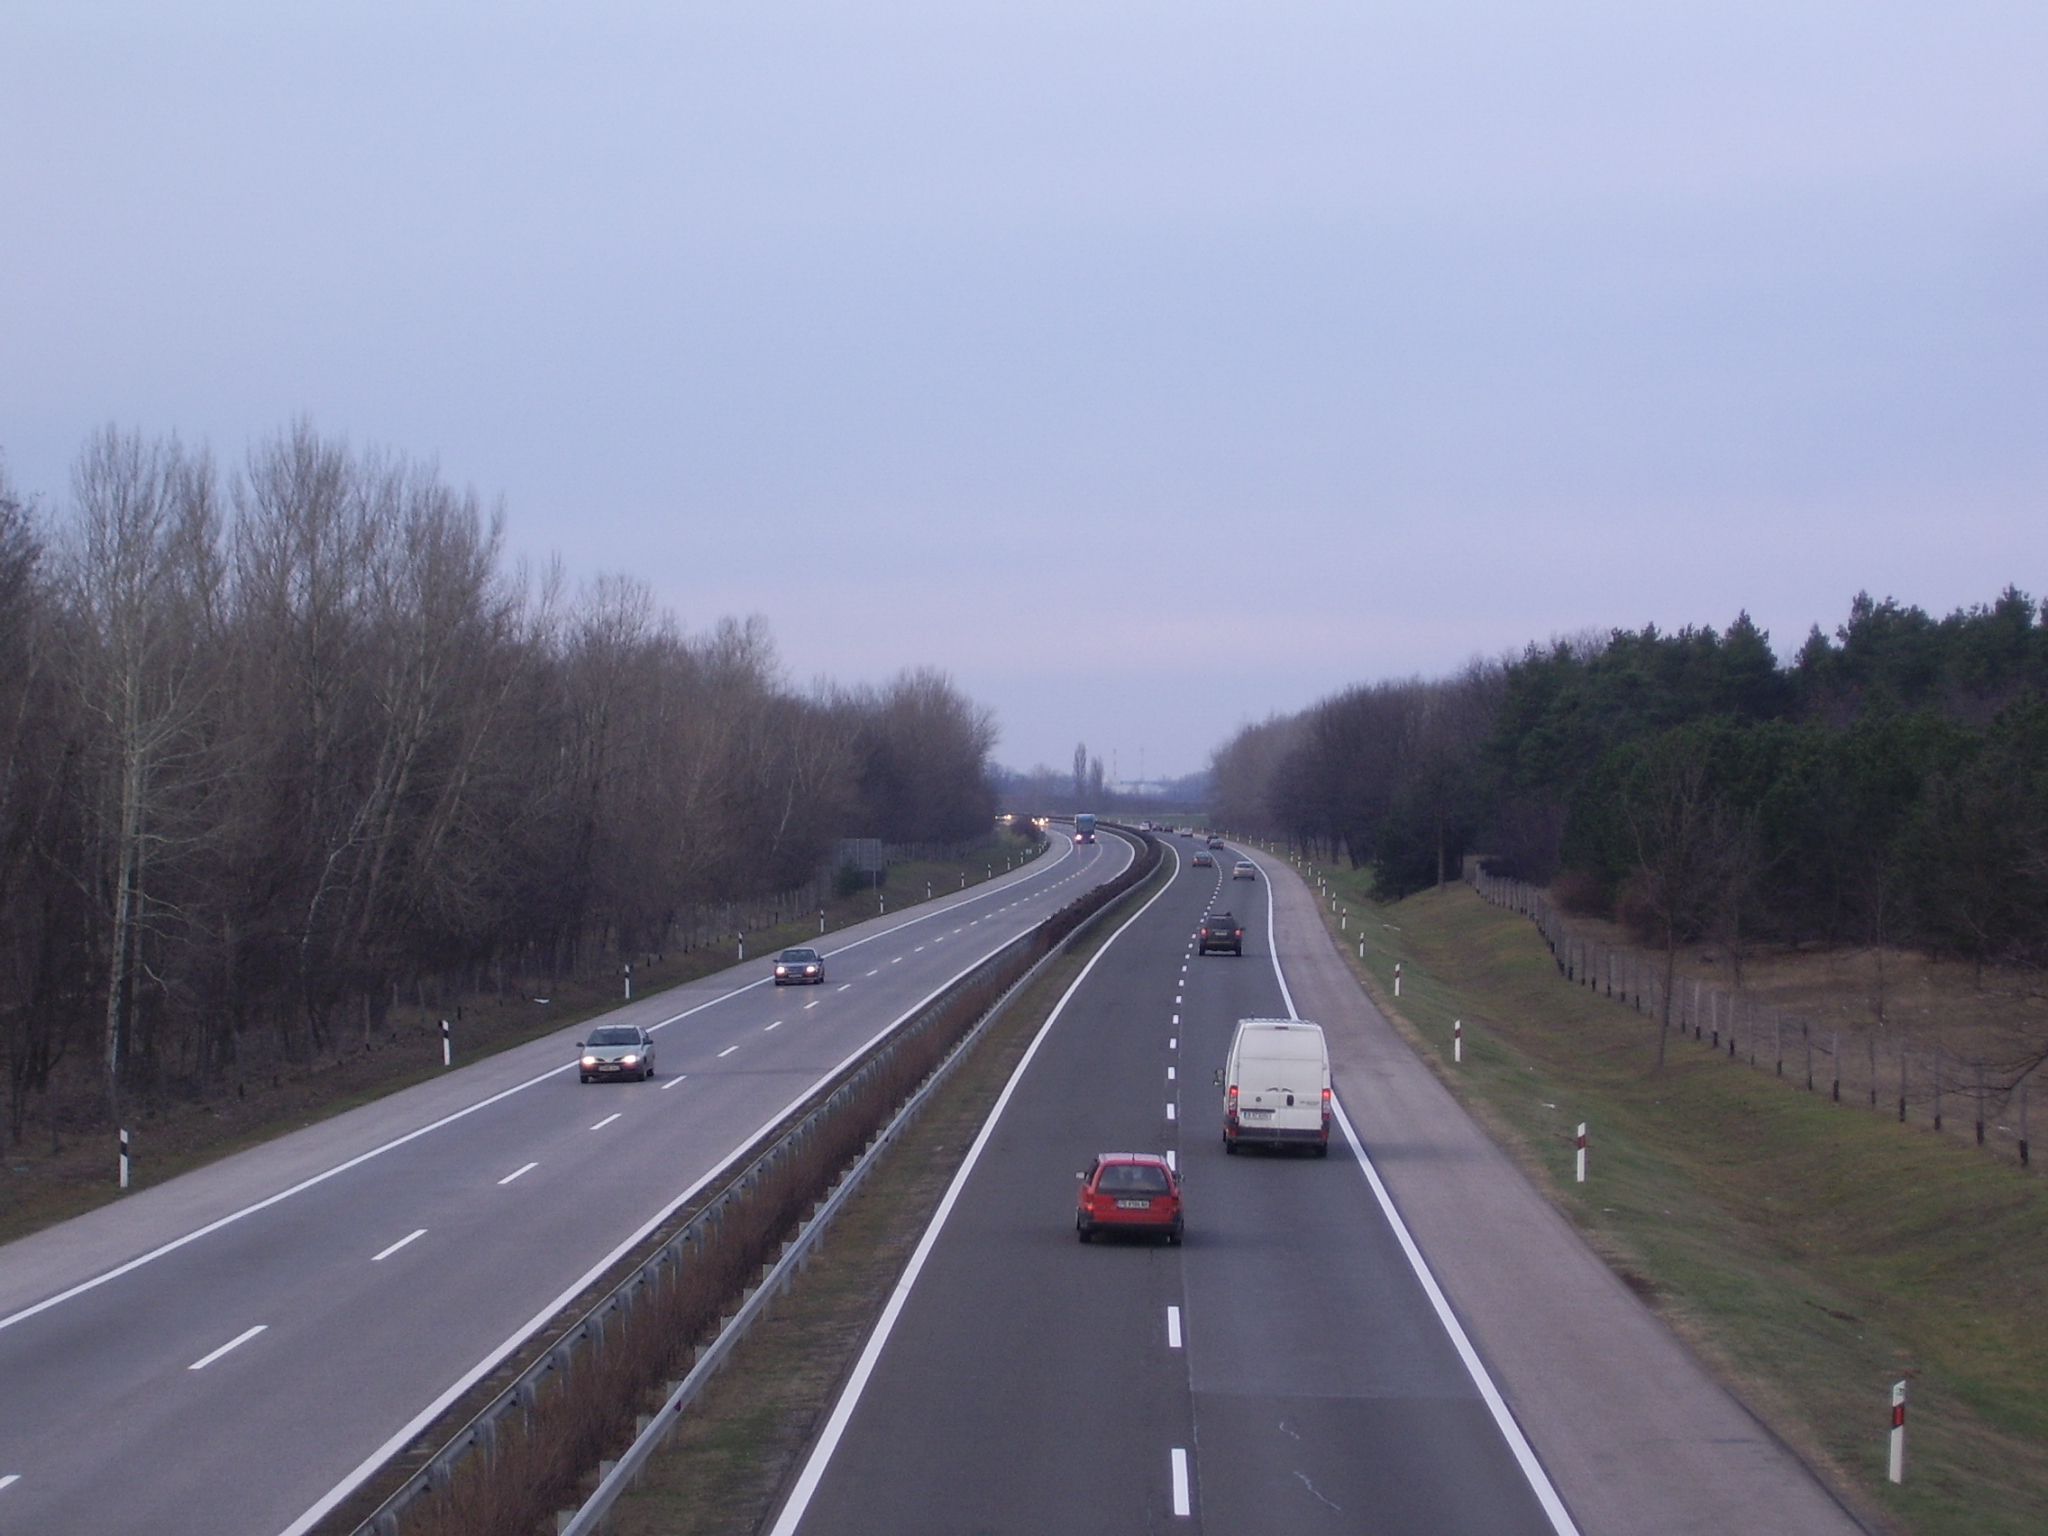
<point>1879,1069</point>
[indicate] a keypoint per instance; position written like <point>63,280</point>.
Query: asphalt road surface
<point>1282,1371</point>
<point>1405,1337</point>
<point>225,1354</point>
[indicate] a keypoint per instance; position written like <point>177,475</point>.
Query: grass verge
<point>1812,1253</point>
<point>724,1469</point>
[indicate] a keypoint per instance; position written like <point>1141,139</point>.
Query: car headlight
<point>590,1061</point>
<point>810,970</point>
<point>782,970</point>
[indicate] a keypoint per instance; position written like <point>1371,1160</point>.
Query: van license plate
<point>1256,1114</point>
<point>1134,1205</point>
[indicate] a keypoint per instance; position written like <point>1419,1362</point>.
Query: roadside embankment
<point>1811,1252</point>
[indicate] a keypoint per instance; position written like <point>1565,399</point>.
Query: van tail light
<point>1326,1103</point>
<point>1230,1103</point>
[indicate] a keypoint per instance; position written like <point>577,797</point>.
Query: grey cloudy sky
<point>1148,365</point>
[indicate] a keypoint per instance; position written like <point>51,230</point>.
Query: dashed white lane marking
<point>1181,1506</point>
<point>844,985</point>
<point>1173,1042</point>
<point>1176,1019</point>
<point>1181,1000</point>
<point>516,1172</point>
<point>10,1480</point>
<point>235,1343</point>
<point>1170,1160</point>
<point>680,1077</point>
<point>918,950</point>
<point>776,1025</point>
<point>1169,1074</point>
<point>608,1119</point>
<point>897,961</point>
<point>1173,1327</point>
<point>876,971</point>
<point>379,1258</point>
<point>812,1003</point>
<point>731,1048</point>
<point>1170,1113</point>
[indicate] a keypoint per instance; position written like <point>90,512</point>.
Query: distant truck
<point>1084,827</point>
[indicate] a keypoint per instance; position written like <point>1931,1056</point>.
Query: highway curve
<point>228,1353</point>
<point>1298,1365</point>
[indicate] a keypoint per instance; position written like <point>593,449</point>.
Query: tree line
<point>281,741</point>
<point>1886,786</point>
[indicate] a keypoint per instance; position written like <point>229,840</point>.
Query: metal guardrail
<point>522,1395</point>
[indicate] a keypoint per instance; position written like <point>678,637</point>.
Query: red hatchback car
<point>1135,1192</point>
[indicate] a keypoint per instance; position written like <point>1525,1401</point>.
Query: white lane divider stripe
<point>812,1003</point>
<point>409,1431</point>
<point>1503,1418</point>
<point>1170,1112</point>
<point>1169,1074</point>
<point>731,1048</point>
<point>517,1173</point>
<point>1181,1504</point>
<point>680,1077</point>
<point>776,1025</point>
<point>379,1258</point>
<point>10,1479</point>
<point>1173,1042</point>
<point>876,971</point>
<point>608,1119</point>
<point>235,1343</point>
<point>1170,1161</point>
<point>844,985</point>
<point>1173,1327</point>
<point>827,1443</point>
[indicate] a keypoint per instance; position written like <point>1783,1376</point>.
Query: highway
<point>1283,1370</point>
<point>1405,1339</point>
<point>229,1353</point>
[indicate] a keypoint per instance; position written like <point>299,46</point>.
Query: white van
<point>1276,1085</point>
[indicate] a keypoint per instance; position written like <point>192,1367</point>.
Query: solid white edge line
<point>806,1487</point>
<point>235,1343</point>
<point>1183,1505</point>
<point>433,1410</point>
<point>1503,1417</point>
<point>413,1135</point>
<point>379,1258</point>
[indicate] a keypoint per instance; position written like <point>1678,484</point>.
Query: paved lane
<point>1285,1356</point>
<point>120,1408</point>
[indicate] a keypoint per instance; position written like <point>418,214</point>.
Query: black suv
<point>1221,934</point>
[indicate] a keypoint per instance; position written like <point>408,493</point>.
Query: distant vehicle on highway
<point>616,1050</point>
<point>1201,861</point>
<point>1084,827</point>
<point>1215,842</point>
<point>1276,1086</point>
<point>1187,831</point>
<point>1220,934</point>
<point>1134,1192</point>
<point>799,967</point>
<point>1245,870</point>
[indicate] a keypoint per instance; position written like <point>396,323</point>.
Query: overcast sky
<point>1149,366</point>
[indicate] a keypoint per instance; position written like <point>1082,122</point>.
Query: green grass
<point>1812,1252</point>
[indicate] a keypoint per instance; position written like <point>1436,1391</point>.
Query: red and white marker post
<point>1895,1469</point>
<point>1582,1151</point>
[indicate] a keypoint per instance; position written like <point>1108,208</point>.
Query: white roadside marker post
<point>1397,978</point>
<point>1895,1468</point>
<point>743,943</point>
<point>629,981</point>
<point>447,1046</point>
<point>1582,1152</point>
<point>124,1157</point>
<point>821,920</point>
<point>1457,1040</point>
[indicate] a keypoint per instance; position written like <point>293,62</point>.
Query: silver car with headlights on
<point>617,1050</point>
